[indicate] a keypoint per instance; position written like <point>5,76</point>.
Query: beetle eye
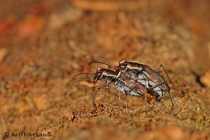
<point>97,76</point>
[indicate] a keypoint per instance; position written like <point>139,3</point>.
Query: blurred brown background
<point>42,44</point>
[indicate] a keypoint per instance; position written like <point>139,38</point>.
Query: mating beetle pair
<point>134,79</point>
<point>142,74</point>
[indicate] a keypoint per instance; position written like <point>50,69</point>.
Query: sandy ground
<point>43,45</point>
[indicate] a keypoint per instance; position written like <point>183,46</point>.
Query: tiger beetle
<point>122,84</point>
<point>152,77</point>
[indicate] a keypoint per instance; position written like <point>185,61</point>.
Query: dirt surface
<point>43,43</point>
